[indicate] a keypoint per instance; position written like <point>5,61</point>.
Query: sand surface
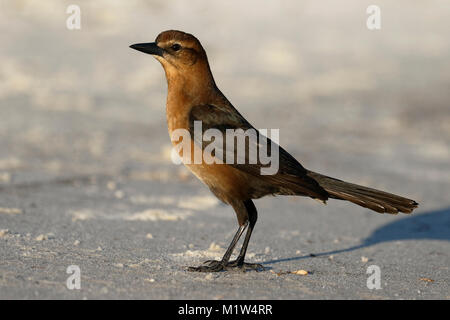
<point>85,171</point>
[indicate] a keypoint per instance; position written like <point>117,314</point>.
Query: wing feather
<point>291,177</point>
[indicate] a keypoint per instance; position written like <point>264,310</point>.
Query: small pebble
<point>209,276</point>
<point>111,185</point>
<point>300,272</point>
<point>5,177</point>
<point>47,236</point>
<point>11,210</point>
<point>3,232</point>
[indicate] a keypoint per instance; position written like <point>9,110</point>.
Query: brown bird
<point>193,96</point>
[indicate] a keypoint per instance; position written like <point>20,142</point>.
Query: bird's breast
<point>226,182</point>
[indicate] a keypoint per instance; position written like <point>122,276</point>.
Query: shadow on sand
<point>434,225</point>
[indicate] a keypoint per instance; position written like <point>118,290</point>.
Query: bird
<point>193,96</point>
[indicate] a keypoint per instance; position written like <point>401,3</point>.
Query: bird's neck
<point>190,87</point>
<point>186,90</point>
<point>195,86</point>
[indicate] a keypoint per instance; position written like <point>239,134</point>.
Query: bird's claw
<point>216,266</point>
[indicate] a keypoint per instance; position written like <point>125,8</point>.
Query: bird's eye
<point>175,47</point>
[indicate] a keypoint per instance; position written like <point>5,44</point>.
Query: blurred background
<point>370,107</point>
<point>77,102</point>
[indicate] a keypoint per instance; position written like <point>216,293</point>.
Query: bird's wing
<point>290,178</point>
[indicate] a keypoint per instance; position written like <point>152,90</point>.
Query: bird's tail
<point>373,199</point>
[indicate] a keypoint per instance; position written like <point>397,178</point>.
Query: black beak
<point>150,48</point>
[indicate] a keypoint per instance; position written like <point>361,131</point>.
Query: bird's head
<point>180,53</point>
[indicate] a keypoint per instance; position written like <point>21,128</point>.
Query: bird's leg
<point>239,262</point>
<point>249,219</point>
<point>216,265</point>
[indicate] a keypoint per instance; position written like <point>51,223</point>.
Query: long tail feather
<point>373,199</point>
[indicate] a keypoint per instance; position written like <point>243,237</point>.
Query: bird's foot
<point>216,266</point>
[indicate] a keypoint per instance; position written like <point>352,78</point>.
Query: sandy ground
<point>85,171</point>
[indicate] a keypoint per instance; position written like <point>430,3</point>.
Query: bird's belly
<point>226,182</point>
